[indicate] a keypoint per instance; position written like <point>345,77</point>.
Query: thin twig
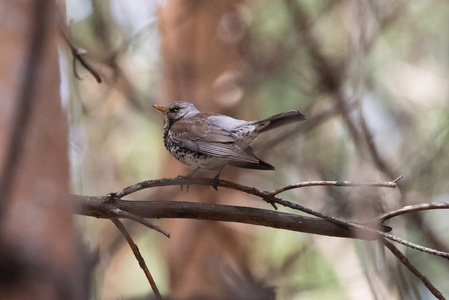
<point>138,256</point>
<point>362,228</point>
<point>253,191</point>
<point>404,260</point>
<point>332,83</point>
<point>269,198</point>
<point>385,168</point>
<point>412,208</point>
<point>389,184</point>
<point>398,178</point>
<point>78,54</point>
<point>117,212</point>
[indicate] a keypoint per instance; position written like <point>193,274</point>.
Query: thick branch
<point>366,231</point>
<point>99,207</point>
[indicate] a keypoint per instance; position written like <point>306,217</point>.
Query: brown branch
<point>78,55</point>
<point>138,256</point>
<point>362,229</point>
<point>100,207</point>
<point>249,190</point>
<point>103,207</point>
<point>365,231</point>
<point>413,269</point>
<point>193,181</point>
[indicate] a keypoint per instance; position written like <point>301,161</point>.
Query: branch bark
<point>369,230</point>
<point>100,207</point>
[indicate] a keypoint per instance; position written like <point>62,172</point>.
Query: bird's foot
<point>215,179</point>
<point>186,177</point>
<point>215,182</point>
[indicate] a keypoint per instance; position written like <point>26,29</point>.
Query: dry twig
<point>389,184</point>
<point>78,55</point>
<point>270,198</point>
<point>117,212</point>
<point>326,225</point>
<point>413,269</point>
<point>138,256</point>
<point>412,208</point>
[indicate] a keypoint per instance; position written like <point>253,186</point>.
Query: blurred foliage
<point>386,63</point>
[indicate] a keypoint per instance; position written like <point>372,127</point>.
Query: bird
<point>210,141</point>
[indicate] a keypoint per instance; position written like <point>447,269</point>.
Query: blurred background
<point>372,77</point>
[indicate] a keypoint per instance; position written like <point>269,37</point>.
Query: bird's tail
<point>261,165</point>
<point>279,120</point>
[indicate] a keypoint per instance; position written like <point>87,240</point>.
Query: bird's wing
<point>200,134</point>
<point>226,150</point>
<point>199,127</point>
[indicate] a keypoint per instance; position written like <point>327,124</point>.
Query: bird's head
<point>177,110</point>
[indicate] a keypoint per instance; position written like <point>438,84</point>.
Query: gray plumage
<point>210,141</point>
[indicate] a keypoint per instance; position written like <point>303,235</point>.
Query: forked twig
<point>78,55</point>
<point>269,197</point>
<point>112,207</point>
<point>117,212</point>
<point>138,256</point>
<point>253,191</point>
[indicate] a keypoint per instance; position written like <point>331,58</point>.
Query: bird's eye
<point>175,109</point>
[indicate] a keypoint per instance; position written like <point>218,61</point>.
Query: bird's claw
<point>215,179</point>
<point>216,182</point>
<point>188,177</point>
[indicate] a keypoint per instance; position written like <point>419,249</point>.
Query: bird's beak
<point>160,108</point>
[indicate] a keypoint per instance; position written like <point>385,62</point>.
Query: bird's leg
<point>187,177</point>
<point>215,179</point>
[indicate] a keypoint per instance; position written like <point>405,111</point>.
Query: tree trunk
<point>200,61</point>
<point>39,255</point>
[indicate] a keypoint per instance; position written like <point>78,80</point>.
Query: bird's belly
<point>194,159</point>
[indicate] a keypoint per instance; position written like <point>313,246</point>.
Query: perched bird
<point>202,140</point>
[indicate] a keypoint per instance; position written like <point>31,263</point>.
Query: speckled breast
<point>190,158</point>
